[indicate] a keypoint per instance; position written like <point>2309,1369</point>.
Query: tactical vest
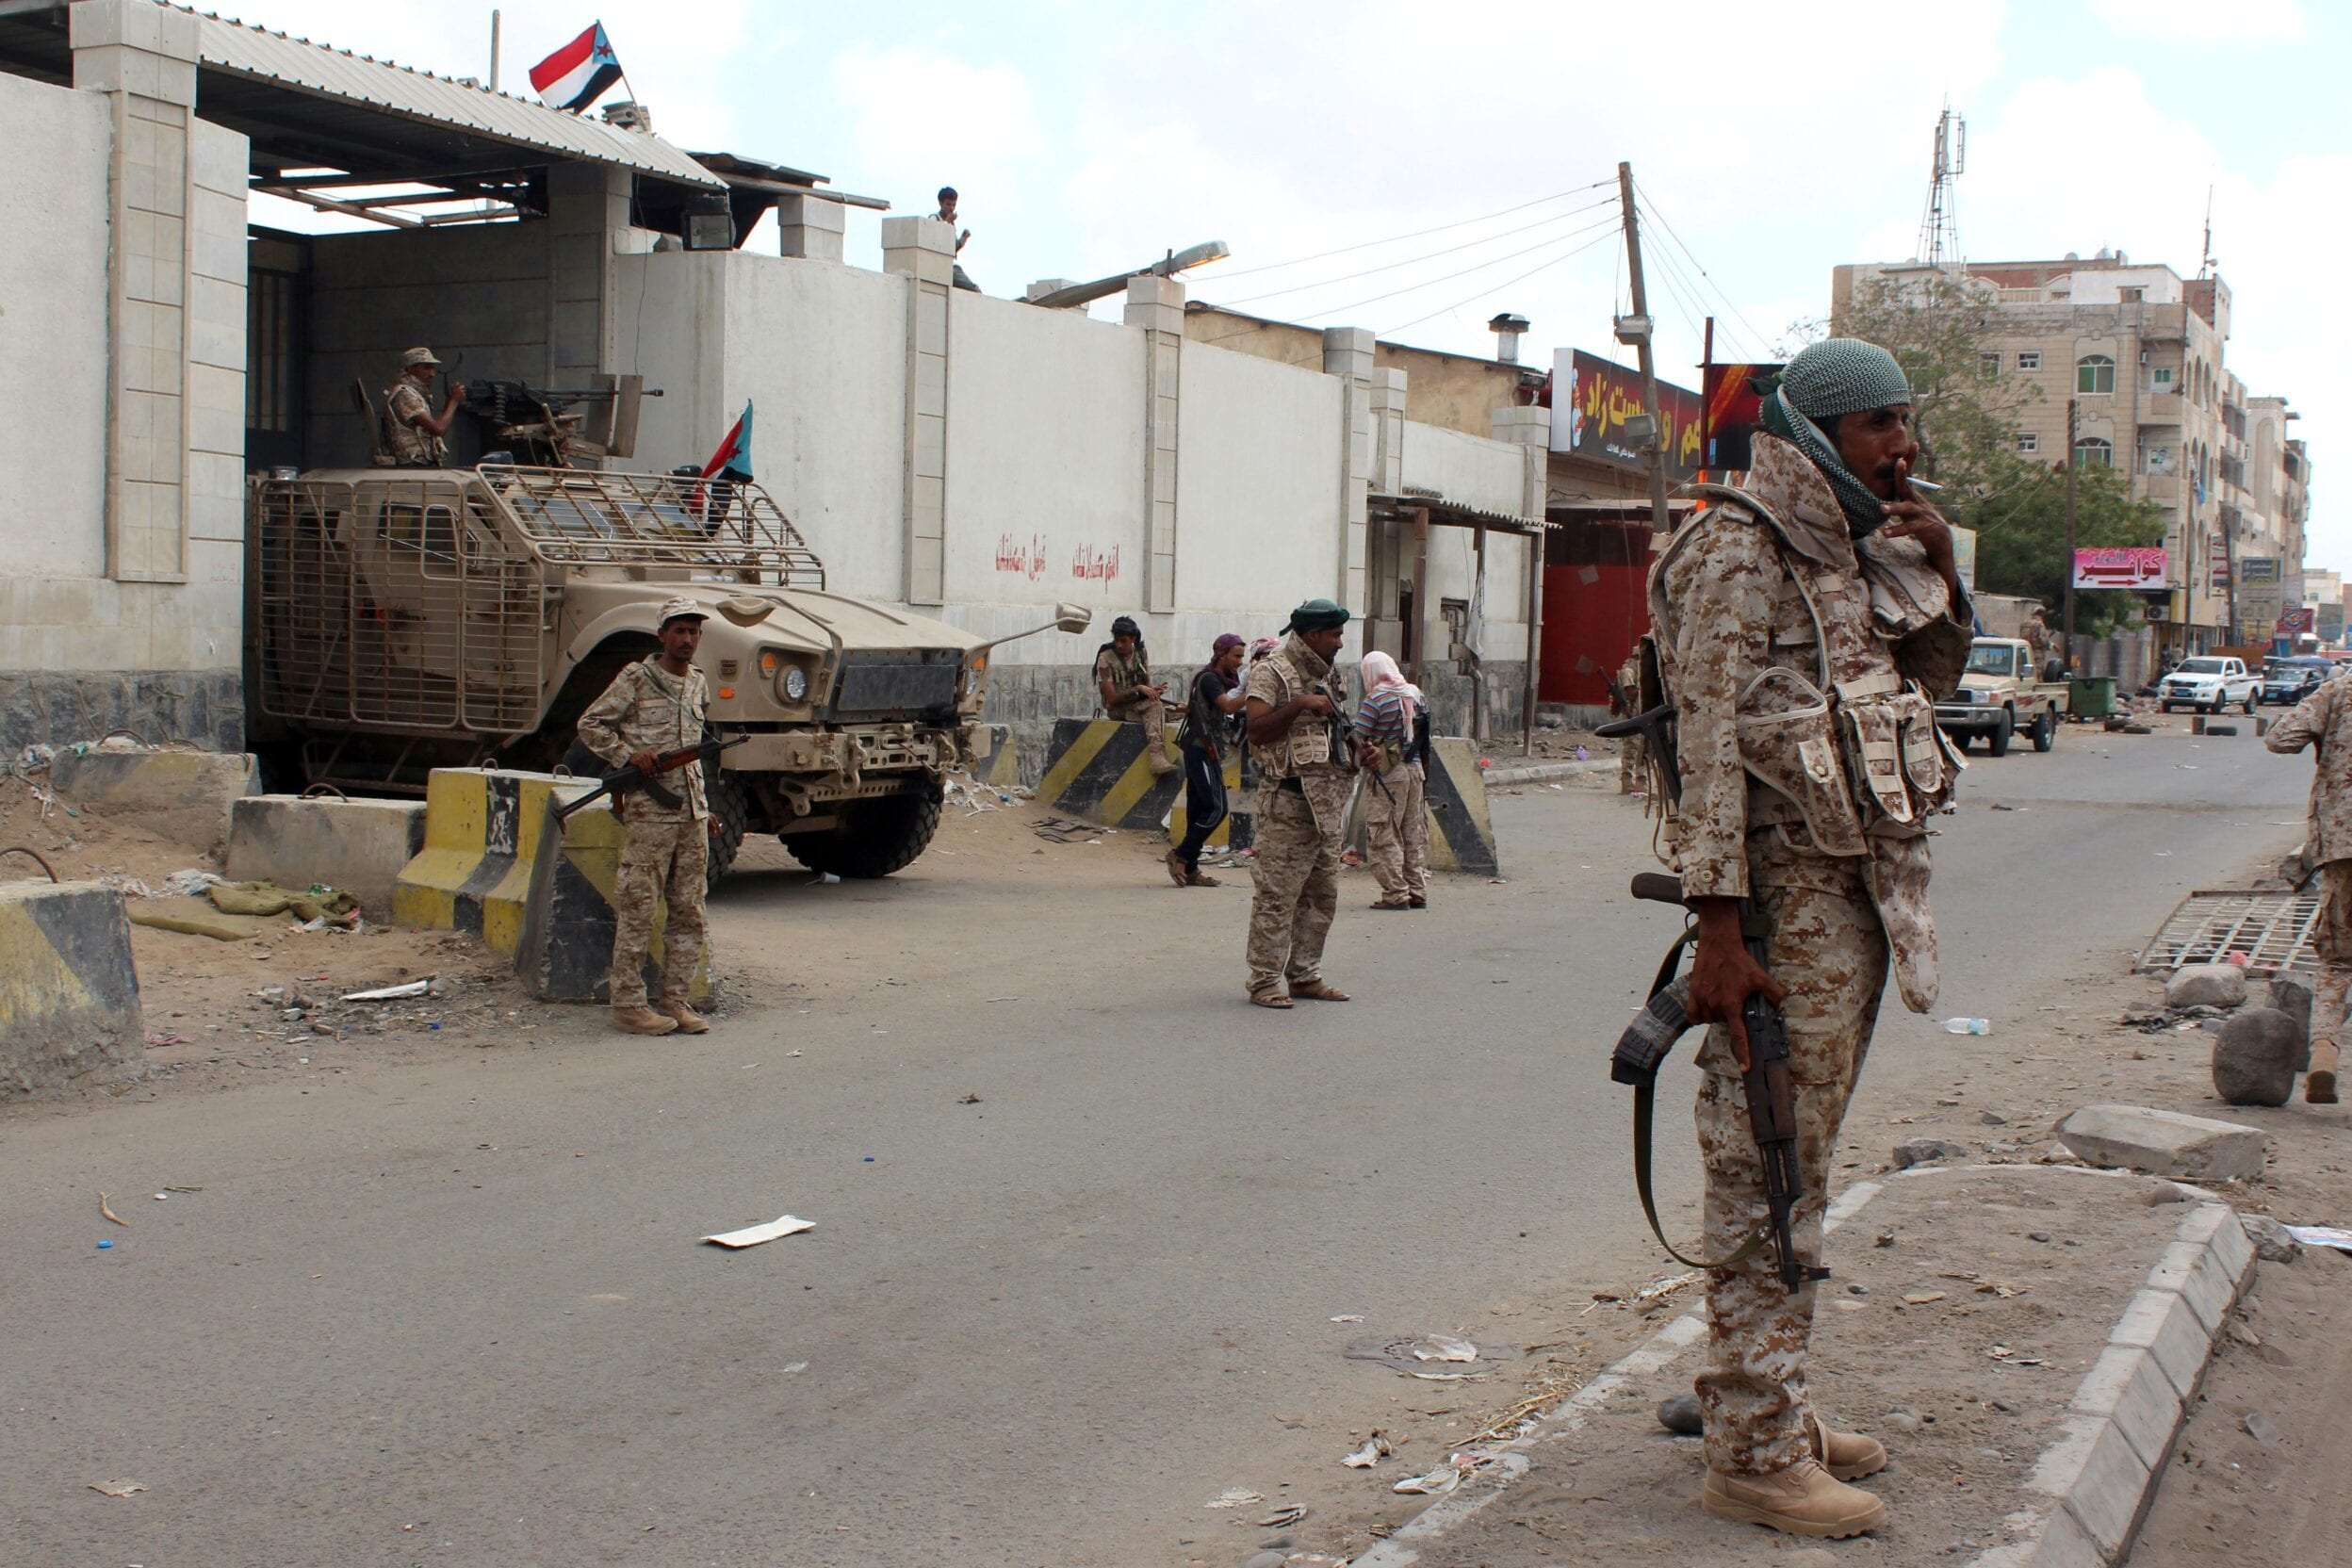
<point>1312,740</point>
<point>1852,749</point>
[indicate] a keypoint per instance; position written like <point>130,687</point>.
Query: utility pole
<point>1707,400</point>
<point>1637,331</point>
<point>2070,459</point>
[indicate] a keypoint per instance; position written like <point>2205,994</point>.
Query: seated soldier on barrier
<point>1122,673</point>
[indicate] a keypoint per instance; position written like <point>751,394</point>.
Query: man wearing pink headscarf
<point>1393,717</point>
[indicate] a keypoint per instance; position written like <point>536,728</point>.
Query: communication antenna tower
<point>2205,266</point>
<point>1939,225</point>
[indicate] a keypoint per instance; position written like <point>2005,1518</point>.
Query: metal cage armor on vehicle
<point>400,620</point>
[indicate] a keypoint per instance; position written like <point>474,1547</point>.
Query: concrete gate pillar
<point>923,251</point>
<point>588,204</point>
<point>1347,354</point>
<point>1155,307</point>
<point>809,226</point>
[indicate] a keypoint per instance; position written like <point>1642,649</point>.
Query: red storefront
<point>1596,564</point>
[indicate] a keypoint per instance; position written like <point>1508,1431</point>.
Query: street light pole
<point>2069,562</point>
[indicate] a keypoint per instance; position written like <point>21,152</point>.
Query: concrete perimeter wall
<point>120,467</point>
<point>1052,424</point>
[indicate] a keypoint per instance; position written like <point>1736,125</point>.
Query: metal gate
<point>2270,933</point>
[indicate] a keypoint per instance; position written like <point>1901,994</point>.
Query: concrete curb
<point>1546,773</point>
<point>2100,1475</point>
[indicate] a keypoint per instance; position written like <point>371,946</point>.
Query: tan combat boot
<point>1846,1455</point>
<point>641,1019</point>
<point>2319,1084</point>
<point>1803,1499</point>
<point>688,1021</point>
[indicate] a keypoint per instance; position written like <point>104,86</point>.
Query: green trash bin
<point>2091,697</point>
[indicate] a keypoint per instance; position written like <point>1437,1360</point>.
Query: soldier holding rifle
<point>653,707</point>
<point>1804,626</point>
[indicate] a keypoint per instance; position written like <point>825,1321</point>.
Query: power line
<point>1429,283</point>
<point>1688,289</point>
<point>1417,234</point>
<point>1427,255</point>
<point>1492,288</point>
<point>1757,335</point>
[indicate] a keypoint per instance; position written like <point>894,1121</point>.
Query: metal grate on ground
<point>2270,933</point>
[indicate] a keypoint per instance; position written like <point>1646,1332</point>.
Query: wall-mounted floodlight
<point>1633,329</point>
<point>1167,266</point>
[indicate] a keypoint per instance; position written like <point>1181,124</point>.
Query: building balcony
<point>2160,408</point>
<point>2164,489</point>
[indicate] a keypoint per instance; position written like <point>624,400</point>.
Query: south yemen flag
<point>573,75</point>
<point>733,458</point>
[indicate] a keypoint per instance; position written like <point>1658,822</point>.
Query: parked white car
<point>2210,684</point>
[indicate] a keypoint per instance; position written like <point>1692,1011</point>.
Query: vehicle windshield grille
<point>727,529</point>
<point>902,682</point>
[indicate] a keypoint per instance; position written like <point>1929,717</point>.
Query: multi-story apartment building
<point>2138,350</point>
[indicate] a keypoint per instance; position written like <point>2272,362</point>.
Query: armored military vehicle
<point>400,620</point>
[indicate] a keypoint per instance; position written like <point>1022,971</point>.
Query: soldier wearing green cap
<point>1804,625</point>
<point>1306,758</point>
<point>657,704</point>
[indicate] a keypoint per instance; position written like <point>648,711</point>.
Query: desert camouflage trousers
<point>1633,766</point>
<point>1297,872</point>
<point>663,857</point>
<point>1396,832</point>
<point>1828,948</point>
<point>1152,713</point>
<point>2333,936</point>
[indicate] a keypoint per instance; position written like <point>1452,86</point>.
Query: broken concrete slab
<point>1913,1152</point>
<point>2164,1143</point>
<point>2273,1242</point>
<point>2206,985</point>
<point>2254,1057</point>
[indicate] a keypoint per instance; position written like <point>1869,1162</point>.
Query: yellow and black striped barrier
<point>496,866</point>
<point>1096,770</point>
<point>991,757</point>
<point>1462,829</point>
<point>68,993</point>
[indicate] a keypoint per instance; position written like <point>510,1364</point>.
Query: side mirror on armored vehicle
<point>1072,618</point>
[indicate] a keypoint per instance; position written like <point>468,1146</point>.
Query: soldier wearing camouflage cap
<point>412,431</point>
<point>656,705</point>
<point>1307,758</point>
<point>1806,624</point>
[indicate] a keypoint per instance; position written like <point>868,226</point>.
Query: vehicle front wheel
<point>2166,707</point>
<point>876,837</point>
<point>2046,731</point>
<point>2252,701</point>
<point>1963,738</point>
<point>731,804</point>
<point>1997,744</point>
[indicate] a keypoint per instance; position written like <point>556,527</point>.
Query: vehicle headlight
<point>795,684</point>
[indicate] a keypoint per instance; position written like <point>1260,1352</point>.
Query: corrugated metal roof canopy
<point>1446,514</point>
<point>306,103</point>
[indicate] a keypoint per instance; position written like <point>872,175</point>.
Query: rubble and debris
<point>2273,1242</point>
<point>1926,1151</point>
<point>1235,1497</point>
<point>2254,1057</point>
<point>2164,1143</point>
<point>2260,1427</point>
<point>752,1235</point>
<point>1377,1450</point>
<point>2323,1235</point>
<point>1445,1347</point>
<point>2206,985</point>
<point>117,1488</point>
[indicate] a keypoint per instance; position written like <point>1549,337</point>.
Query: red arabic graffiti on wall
<point>1093,565</point>
<point>1021,559</point>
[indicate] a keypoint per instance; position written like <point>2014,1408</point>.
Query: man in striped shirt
<point>1397,818</point>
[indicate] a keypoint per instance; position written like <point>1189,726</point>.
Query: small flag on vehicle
<point>733,458</point>
<point>577,74</point>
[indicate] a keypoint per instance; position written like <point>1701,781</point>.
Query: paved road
<point>1043,1328</point>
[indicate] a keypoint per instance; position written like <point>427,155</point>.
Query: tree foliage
<point>1942,327</point>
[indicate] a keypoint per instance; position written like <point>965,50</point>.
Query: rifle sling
<point>1644,1108</point>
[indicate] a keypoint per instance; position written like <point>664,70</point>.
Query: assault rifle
<point>1642,1048</point>
<point>620,782</point>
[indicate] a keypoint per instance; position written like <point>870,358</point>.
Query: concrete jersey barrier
<point>566,950</point>
<point>358,846</point>
<point>1096,770</point>
<point>181,794</point>
<point>68,993</point>
<point>482,831</point>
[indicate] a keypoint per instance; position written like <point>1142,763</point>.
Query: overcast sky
<point>1775,142</point>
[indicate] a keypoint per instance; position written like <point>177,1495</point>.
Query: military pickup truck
<point>402,620</point>
<point>2000,695</point>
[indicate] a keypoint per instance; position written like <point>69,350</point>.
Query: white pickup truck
<point>2210,681</point>
<point>2000,695</point>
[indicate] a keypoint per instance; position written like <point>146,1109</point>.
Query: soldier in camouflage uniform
<point>1633,752</point>
<point>412,431</point>
<point>1123,675</point>
<point>1306,758</point>
<point>658,705</point>
<point>2324,719</point>
<point>1806,624</point>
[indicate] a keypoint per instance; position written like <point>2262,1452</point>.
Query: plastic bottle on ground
<point>1967,1026</point>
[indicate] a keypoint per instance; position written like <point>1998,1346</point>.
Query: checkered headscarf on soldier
<point>1842,375</point>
